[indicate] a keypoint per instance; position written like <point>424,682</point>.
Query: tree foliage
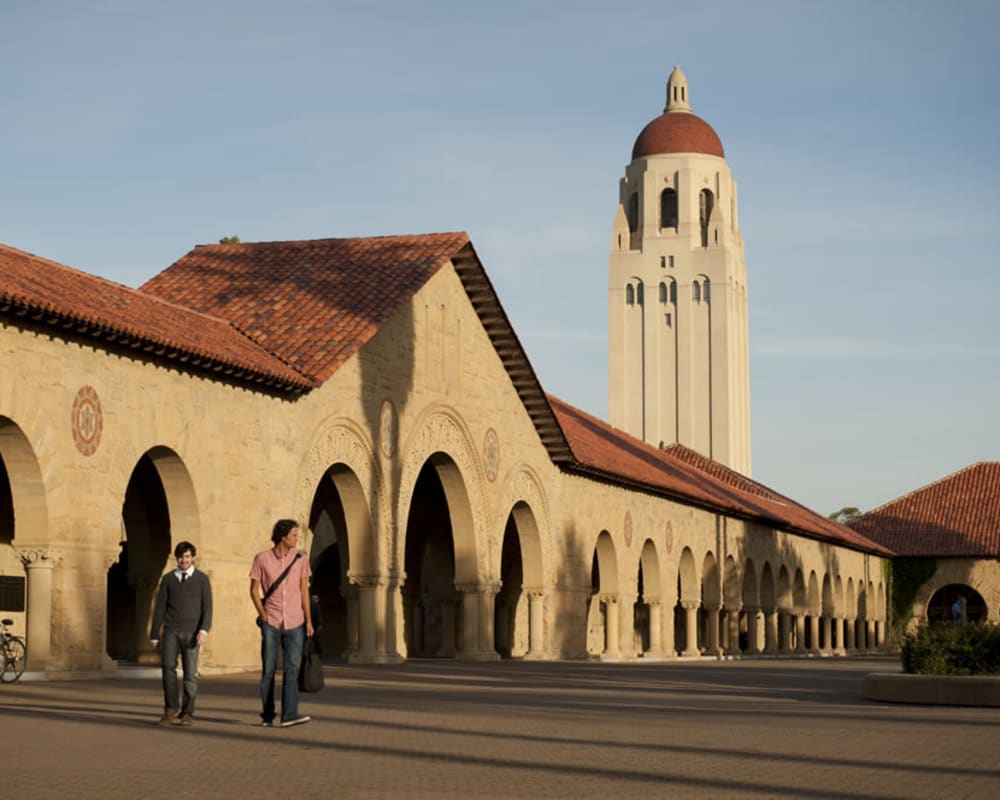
<point>229,240</point>
<point>845,515</point>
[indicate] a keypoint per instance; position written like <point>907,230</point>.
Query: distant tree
<point>229,240</point>
<point>846,515</point>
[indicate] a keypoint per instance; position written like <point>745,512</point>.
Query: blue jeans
<point>291,643</point>
<point>184,643</point>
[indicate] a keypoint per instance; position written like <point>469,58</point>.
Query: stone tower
<point>678,360</point>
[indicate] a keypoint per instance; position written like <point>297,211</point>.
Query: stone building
<point>375,390</point>
<point>946,541</point>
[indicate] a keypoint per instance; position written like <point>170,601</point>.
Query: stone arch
<point>784,587</point>
<point>751,593</point>
<point>442,439</point>
<point>341,452</point>
<point>850,601</point>
<point>688,589</point>
<point>838,597</point>
<point>649,560</point>
<point>606,560</point>
<point>731,589</point>
<point>521,576</point>
<point>814,598</point>
<point>523,496</point>
<point>768,592</point>
<point>158,499</point>
<point>28,518</point>
<point>711,582</point>
<point>603,616</point>
<point>800,599</point>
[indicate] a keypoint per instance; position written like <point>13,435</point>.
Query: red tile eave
<point>607,454</point>
<point>58,296</point>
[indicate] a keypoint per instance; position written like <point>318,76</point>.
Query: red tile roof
<point>677,132</point>
<point>958,515</point>
<point>50,293</point>
<point>312,303</point>
<point>681,474</point>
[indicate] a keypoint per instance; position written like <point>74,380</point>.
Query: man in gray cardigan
<point>183,613</point>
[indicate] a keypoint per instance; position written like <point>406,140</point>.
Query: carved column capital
<point>39,557</point>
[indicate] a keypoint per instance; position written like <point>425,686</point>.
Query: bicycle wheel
<point>15,657</point>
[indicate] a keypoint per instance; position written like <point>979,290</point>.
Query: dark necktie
<point>184,577</point>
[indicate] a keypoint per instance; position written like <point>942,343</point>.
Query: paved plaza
<point>444,729</point>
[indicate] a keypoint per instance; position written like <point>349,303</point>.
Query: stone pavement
<point>442,729</point>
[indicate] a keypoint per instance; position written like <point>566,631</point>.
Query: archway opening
<point>942,606</point>
<point>431,604</point>
<point>132,581</point>
<point>330,560</point>
<point>6,506</point>
<point>509,614</point>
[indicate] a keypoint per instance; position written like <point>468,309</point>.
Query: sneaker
<point>266,723</point>
<point>185,721</point>
<point>296,721</point>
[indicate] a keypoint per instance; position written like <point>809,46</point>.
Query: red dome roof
<point>677,132</point>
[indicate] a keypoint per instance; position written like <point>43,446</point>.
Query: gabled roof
<point>609,455</point>
<point>50,294</point>
<point>958,515</point>
<point>312,303</point>
<point>316,303</point>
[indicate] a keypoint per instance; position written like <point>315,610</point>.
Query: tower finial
<point>677,92</point>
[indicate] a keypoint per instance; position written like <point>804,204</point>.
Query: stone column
<point>784,631</point>
<point>486,596</point>
<point>869,634</point>
<point>470,621</point>
<point>353,621</point>
<point>849,641</point>
<point>612,637</point>
<point>771,631</point>
<point>753,643</point>
<point>536,625</point>
<point>838,624</point>
<point>365,590</point>
<point>733,632</point>
<point>690,629</point>
<point>800,632</point>
<point>712,647</point>
<point>814,633</point>
<point>655,629</point>
<point>38,566</point>
<point>826,629</point>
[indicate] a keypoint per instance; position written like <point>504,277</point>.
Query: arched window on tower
<point>673,291</point>
<point>706,203</point>
<point>668,208</point>
<point>629,295</point>
<point>706,291</point>
<point>633,212</point>
<point>639,294</point>
<point>663,293</point>
<point>696,292</point>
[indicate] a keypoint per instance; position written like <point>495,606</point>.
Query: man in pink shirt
<point>279,588</point>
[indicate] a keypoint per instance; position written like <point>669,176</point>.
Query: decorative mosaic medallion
<point>387,429</point>
<point>628,528</point>
<point>491,454</point>
<point>668,536</point>
<point>87,421</point>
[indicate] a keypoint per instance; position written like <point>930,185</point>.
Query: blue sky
<point>863,135</point>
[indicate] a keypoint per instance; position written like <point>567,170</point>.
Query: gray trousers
<point>184,644</point>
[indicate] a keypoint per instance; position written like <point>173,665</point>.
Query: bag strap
<point>281,577</point>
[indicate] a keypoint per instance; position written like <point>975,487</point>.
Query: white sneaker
<point>296,721</point>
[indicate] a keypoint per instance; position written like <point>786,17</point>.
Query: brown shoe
<point>185,721</point>
<point>169,716</point>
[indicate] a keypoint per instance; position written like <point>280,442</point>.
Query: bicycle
<point>14,652</point>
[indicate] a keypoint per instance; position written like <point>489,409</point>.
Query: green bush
<point>953,648</point>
